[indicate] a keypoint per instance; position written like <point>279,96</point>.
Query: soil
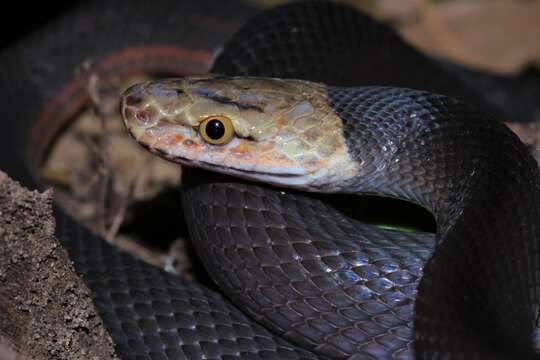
<point>45,308</point>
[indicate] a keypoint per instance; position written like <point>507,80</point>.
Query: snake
<point>304,101</point>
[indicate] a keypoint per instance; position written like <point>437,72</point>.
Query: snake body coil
<point>310,281</point>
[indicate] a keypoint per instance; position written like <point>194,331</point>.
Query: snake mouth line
<point>278,179</point>
<point>298,180</point>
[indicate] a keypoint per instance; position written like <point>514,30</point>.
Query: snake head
<point>282,132</point>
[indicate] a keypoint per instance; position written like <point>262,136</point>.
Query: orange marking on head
<point>241,149</point>
<point>275,159</point>
<point>280,121</point>
<point>190,143</point>
<point>176,138</point>
<point>169,140</point>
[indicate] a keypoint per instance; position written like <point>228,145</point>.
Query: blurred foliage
<point>497,35</point>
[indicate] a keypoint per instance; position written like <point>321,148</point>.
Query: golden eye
<point>216,129</point>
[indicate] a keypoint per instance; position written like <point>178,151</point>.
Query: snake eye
<point>216,130</point>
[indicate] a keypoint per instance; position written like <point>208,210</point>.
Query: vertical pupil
<point>215,129</point>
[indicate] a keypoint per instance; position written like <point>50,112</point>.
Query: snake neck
<point>426,148</point>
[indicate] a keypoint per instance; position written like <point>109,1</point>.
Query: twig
<point>91,82</point>
<point>119,216</point>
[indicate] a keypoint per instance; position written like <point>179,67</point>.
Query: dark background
<point>22,18</point>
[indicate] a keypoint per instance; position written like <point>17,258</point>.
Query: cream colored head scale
<point>282,132</point>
